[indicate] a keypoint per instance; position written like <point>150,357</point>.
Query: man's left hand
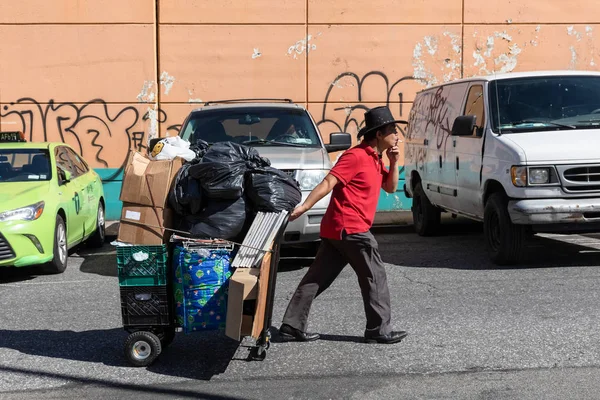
<point>393,154</point>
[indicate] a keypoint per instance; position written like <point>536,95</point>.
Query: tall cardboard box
<point>147,182</point>
<point>142,224</point>
<point>243,286</point>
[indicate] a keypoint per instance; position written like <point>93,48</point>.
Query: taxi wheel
<point>59,262</point>
<point>97,239</point>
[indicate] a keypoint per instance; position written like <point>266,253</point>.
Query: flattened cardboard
<point>243,285</point>
<point>141,225</point>
<point>147,182</point>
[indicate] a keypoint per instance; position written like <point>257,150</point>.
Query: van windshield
<point>545,103</point>
<point>255,126</point>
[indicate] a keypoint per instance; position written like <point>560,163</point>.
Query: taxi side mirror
<point>65,176</point>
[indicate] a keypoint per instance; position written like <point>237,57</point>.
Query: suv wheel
<point>426,216</point>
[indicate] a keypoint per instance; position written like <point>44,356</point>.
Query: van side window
<point>475,106</point>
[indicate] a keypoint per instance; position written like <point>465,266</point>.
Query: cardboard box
<point>141,224</point>
<point>147,182</point>
<point>243,286</point>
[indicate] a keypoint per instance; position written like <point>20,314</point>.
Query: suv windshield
<point>545,103</point>
<point>23,165</point>
<point>256,126</point>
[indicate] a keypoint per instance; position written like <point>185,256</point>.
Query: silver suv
<point>281,131</point>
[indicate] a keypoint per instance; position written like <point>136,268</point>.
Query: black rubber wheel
<point>258,353</point>
<point>97,239</point>
<point>166,337</point>
<point>142,348</point>
<point>60,250</point>
<point>426,216</point>
<point>504,240</point>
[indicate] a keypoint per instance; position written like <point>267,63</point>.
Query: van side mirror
<point>339,141</point>
<point>464,125</point>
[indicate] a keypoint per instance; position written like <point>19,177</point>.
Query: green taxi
<point>50,201</point>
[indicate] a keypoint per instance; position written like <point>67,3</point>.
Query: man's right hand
<point>297,212</point>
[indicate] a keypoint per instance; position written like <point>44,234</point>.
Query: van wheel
<point>504,240</point>
<point>426,216</point>
<point>60,249</point>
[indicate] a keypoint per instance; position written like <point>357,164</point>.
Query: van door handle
<point>440,161</point>
<point>426,142</point>
<point>457,164</point>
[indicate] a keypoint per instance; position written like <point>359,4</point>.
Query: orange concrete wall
<point>104,76</point>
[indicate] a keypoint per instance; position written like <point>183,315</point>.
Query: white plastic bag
<point>171,147</point>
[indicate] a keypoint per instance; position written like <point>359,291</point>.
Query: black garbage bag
<point>200,147</point>
<point>224,219</point>
<point>226,152</point>
<point>272,190</point>
<point>220,180</point>
<point>186,195</point>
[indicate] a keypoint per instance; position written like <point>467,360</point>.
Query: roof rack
<point>248,100</point>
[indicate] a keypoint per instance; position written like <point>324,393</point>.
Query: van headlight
<point>532,176</point>
<point>308,179</point>
<point>539,176</point>
<point>28,213</point>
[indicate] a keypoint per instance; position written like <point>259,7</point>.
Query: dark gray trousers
<point>361,252</point>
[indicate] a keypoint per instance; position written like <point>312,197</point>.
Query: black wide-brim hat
<point>376,118</point>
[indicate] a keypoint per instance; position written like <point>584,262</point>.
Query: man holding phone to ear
<point>356,181</point>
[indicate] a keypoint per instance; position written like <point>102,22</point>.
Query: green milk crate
<point>142,265</point>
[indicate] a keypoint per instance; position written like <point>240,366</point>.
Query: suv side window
<point>476,107</point>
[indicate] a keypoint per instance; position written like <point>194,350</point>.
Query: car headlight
<point>29,213</point>
<point>519,176</point>
<point>308,179</point>
<point>539,176</point>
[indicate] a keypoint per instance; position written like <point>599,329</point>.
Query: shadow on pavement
<point>461,245</point>
<point>102,261</point>
<point>101,345</point>
<point>194,356</point>
<point>14,275</point>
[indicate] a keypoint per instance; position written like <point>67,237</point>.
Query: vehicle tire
<point>504,240</point>
<point>97,239</point>
<point>166,336</point>
<point>60,250</point>
<point>426,216</point>
<point>142,348</point>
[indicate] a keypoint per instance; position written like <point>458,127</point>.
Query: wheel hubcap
<point>101,221</point>
<point>61,239</point>
<point>141,350</point>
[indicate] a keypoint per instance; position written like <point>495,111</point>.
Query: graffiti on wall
<point>102,133</point>
<point>350,117</point>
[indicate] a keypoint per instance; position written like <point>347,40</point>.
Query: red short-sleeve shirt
<point>360,174</point>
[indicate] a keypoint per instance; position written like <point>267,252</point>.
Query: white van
<point>518,151</point>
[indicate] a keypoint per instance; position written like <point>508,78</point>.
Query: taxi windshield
<point>24,165</point>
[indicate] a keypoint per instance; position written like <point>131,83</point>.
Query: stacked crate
<point>200,286</point>
<point>142,272</point>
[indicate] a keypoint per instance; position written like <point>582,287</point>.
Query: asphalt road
<point>475,331</point>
